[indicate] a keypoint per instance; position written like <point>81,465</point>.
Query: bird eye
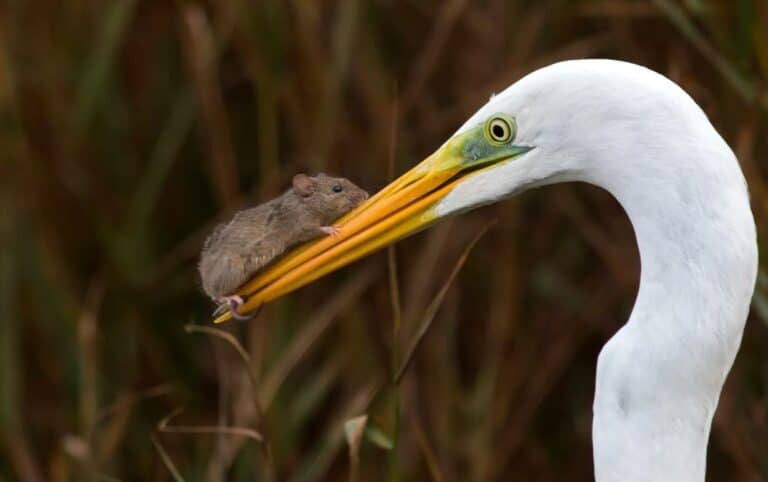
<point>500,129</point>
<point>337,188</point>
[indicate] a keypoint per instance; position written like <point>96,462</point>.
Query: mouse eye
<point>337,188</point>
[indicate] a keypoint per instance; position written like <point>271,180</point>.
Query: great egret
<point>638,135</point>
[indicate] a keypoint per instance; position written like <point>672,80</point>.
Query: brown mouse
<point>254,237</point>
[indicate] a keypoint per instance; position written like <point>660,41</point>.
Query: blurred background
<point>128,128</point>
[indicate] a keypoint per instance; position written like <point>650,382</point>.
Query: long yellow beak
<point>402,208</point>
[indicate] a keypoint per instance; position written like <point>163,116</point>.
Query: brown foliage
<point>128,127</point>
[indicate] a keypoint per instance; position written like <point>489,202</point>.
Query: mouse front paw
<point>331,230</point>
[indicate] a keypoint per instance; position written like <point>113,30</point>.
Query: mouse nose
<point>359,197</point>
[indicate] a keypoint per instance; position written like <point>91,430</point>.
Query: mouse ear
<point>303,185</point>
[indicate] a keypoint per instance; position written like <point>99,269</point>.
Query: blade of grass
<point>426,449</point>
<point>88,351</point>
<point>96,71</point>
<point>316,465</point>
<point>167,460</point>
<point>345,33</point>
<point>234,342</point>
<point>201,55</point>
<point>311,332</point>
<point>378,438</point>
<point>445,22</point>
<point>316,390</point>
<point>128,401</point>
<point>106,478</point>
<point>677,16</point>
<point>760,299</point>
<point>112,423</point>
<point>354,429</point>
<point>163,426</point>
<point>265,447</point>
<point>218,461</point>
<point>396,315</point>
<point>304,341</point>
<point>165,152</point>
<point>88,368</point>
<point>434,306</point>
<point>13,437</point>
<point>394,294</point>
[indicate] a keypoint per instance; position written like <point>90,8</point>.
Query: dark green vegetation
<point>128,127</point>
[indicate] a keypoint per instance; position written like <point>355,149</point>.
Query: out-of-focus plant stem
<point>394,286</point>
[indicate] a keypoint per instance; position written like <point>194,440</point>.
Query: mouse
<point>235,250</point>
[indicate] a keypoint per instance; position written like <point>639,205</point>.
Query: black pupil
<point>337,188</point>
<point>498,131</point>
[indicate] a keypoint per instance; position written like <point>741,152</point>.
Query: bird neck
<point>659,378</point>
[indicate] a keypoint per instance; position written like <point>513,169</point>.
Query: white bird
<point>639,136</point>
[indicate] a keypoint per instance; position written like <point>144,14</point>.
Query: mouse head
<point>329,195</point>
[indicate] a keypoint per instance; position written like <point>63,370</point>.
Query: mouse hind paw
<point>231,303</point>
